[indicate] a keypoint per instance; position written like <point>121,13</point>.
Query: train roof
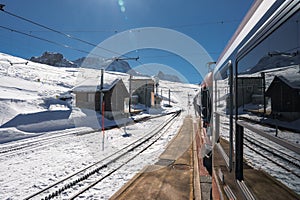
<point>208,80</point>
<point>255,13</point>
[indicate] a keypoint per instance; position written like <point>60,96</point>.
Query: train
<point>257,77</point>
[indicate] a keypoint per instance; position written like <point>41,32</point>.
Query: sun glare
<point>121,4</point>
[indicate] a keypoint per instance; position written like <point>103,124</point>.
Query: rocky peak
<point>53,59</point>
<point>168,77</point>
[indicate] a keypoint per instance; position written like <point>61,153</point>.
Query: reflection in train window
<point>272,68</point>
<point>280,49</point>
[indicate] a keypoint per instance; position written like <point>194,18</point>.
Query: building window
<point>91,97</point>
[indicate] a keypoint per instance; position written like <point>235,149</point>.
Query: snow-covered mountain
<point>168,77</point>
<point>58,60</point>
<point>115,65</point>
<point>275,60</point>
<point>53,59</point>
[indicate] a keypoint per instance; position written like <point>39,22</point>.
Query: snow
<point>290,135</point>
<point>31,109</point>
<point>261,163</point>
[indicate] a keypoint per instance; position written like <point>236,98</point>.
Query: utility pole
<point>130,78</point>
<point>102,107</point>
<point>264,91</point>
<point>188,104</point>
<point>169,97</point>
<point>101,89</point>
<point>130,88</point>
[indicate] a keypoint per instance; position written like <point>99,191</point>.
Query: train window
<point>272,70</point>
<point>280,49</point>
<point>223,102</point>
<point>222,85</point>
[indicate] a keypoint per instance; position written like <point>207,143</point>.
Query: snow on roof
<point>142,78</point>
<point>93,85</point>
<point>91,82</point>
<point>292,80</point>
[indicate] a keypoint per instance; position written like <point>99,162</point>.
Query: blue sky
<point>209,22</point>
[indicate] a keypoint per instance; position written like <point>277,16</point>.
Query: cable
<point>170,26</point>
<point>94,45</point>
<point>46,40</point>
<point>205,23</point>
<point>56,31</point>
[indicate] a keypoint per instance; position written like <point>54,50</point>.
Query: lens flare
<point>123,9</point>
<point>121,3</point>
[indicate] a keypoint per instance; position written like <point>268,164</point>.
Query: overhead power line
<point>46,40</point>
<point>55,31</point>
<point>116,31</point>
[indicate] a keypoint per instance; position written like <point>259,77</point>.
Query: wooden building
<point>250,90</point>
<point>284,92</point>
<point>114,93</point>
<point>143,90</point>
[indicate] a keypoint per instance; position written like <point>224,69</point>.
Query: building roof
<point>142,78</point>
<point>93,85</point>
<point>292,80</point>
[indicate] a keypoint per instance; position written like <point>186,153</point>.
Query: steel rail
<point>267,148</point>
<point>268,158</point>
<point>277,140</point>
<point>128,160</point>
<point>34,142</point>
<point>89,171</point>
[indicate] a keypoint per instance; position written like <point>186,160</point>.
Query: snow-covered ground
<point>30,108</point>
<point>26,173</point>
<point>292,136</point>
<point>30,94</point>
<point>261,163</point>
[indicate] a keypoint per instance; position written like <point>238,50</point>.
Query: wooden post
<point>130,79</point>
<point>101,88</point>
<point>169,97</point>
<point>103,134</point>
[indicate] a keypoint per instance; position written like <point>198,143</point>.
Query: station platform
<point>260,185</point>
<point>176,175</point>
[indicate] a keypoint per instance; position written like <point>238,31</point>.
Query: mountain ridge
<point>58,60</point>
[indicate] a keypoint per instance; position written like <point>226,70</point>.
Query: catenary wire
<point>46,40</point>
<point>58,32</point>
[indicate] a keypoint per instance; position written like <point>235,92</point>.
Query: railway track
<point>280,156</point>
<point>262,129</point>
<point>75,184</point>
<point>279,153</point>
<point>282,159</point>
<point>31,144</point>
<point>278,161</point>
